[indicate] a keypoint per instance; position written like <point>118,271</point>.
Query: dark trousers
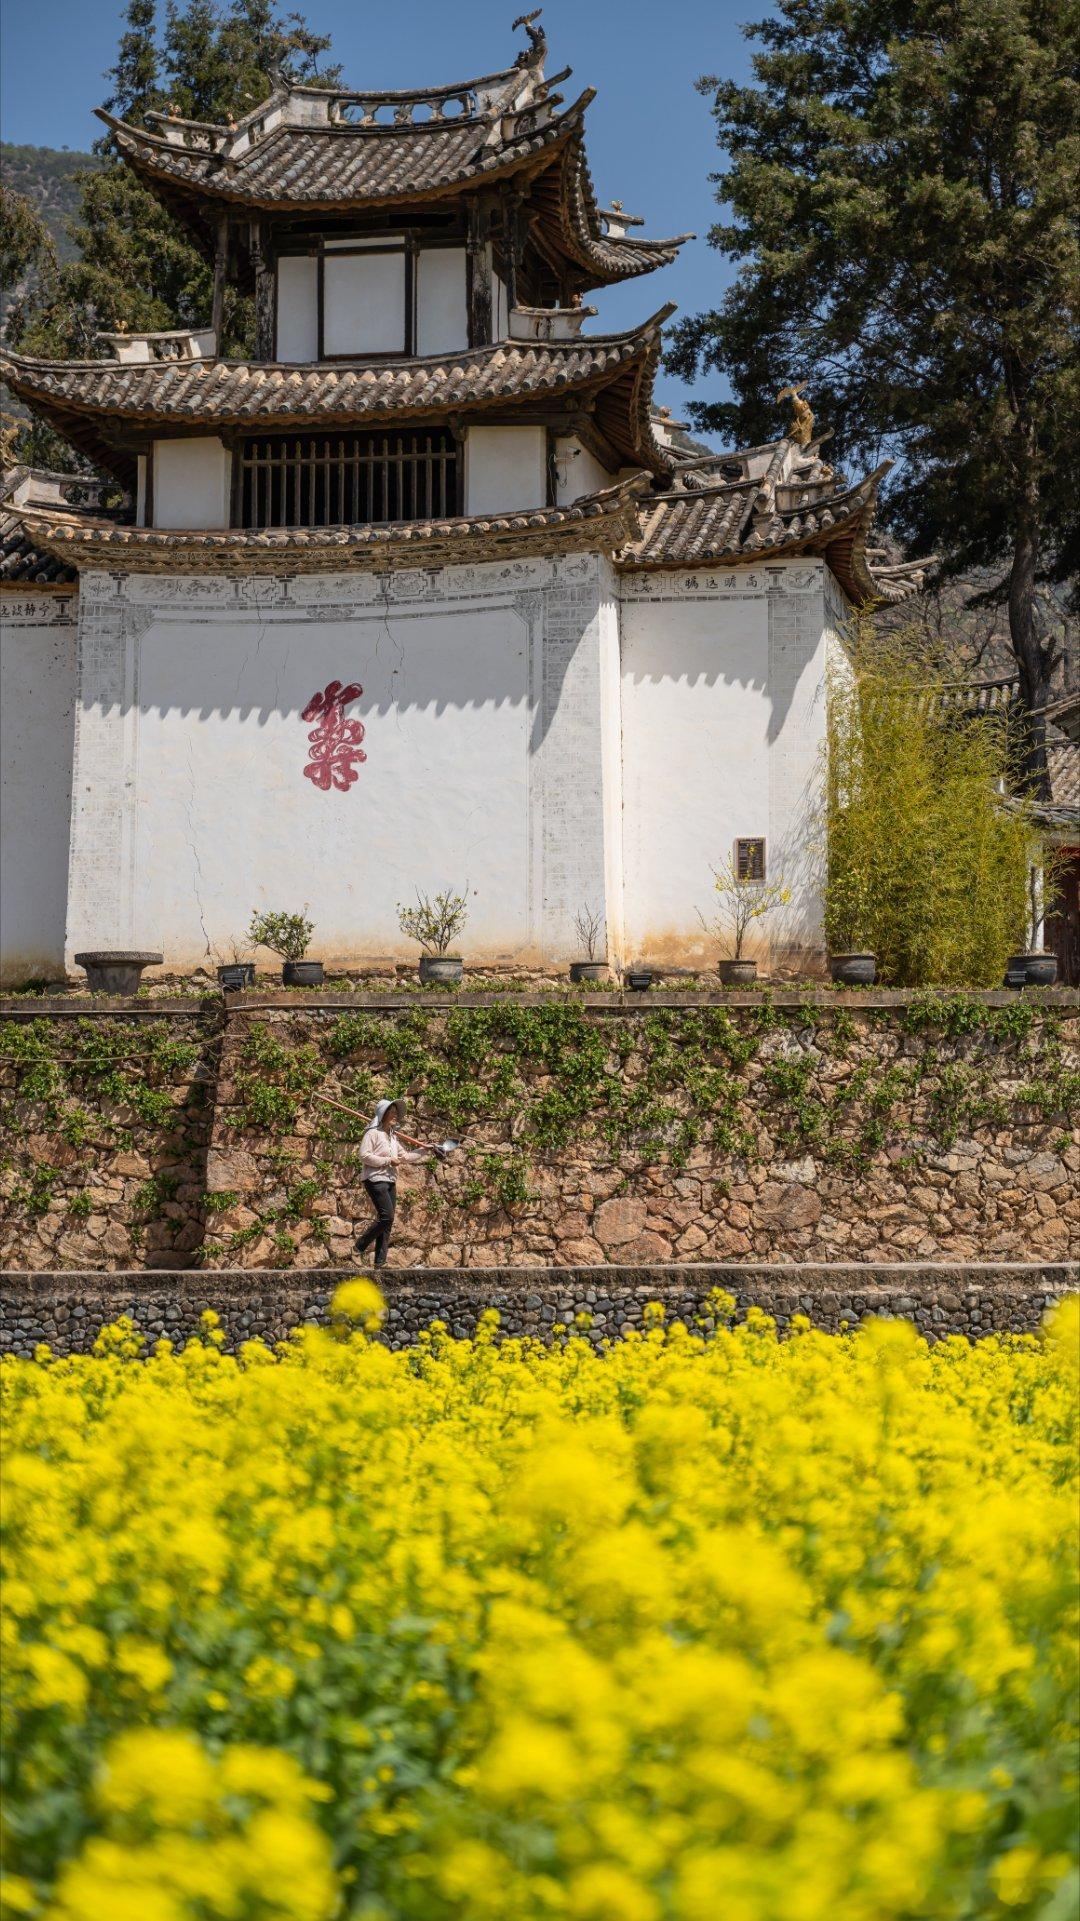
<point>383,1198</point>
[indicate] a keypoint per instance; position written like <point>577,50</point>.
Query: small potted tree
<point>742,903</point>
<point>588,927</point>
<point>1037,967</point>
<point>288,935</point>
<point>433,923</point>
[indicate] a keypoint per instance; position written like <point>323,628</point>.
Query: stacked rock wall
<point>67,1311</point>
<point>802,1128</point>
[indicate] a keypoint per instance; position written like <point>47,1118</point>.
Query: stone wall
<point>68,1310</point>
<point>792,1128</point>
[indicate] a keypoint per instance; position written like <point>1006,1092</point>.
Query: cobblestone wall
<point>806,1128</point>
<point>68,1310</point>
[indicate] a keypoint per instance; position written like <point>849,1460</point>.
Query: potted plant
<point>1037,967</point>
<point>434,923</point>
<point>235,974</point>
<point>742,904</point>
<point>588,927</point>
<point>847,916</point>
<point>287,935</point>
<point>639,978</point>
<point>116,970</point>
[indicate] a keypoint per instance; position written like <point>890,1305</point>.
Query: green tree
<point>927,864</point>
<point>26,245</point>
<point>903,180</point>
<point>138,268</point>
<point>135,76</point>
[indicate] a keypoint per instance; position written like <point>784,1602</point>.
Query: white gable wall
<point>481,759</point>
<point>723,727</point>
<point>191,483</point>
<point>550,732</point>
<point>577,471</point>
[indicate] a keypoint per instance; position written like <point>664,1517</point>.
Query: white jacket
<point>380,1150</point>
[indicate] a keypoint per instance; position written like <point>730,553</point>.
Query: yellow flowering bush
<point>706,1626</point>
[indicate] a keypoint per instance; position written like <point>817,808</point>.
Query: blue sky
<point>650,134</point>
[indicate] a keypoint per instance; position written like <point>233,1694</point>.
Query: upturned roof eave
<point>842,544</point>
<point>601,521</point>
<point>623,387</point>
<point>212,176</point>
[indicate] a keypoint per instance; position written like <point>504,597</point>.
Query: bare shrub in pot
<point>742,903</point>
<point>588,925</point>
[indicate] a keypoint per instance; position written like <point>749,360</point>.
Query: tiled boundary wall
<point>68,1310</point>
<point>805,1126</point>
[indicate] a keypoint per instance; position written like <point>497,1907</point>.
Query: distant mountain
<point>46,176</point>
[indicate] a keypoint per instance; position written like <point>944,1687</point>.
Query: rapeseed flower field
<point>689,1629</point>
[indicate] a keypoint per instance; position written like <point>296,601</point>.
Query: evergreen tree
<point>138,268</point>
<point>903,179</point>
<point>135,75</point>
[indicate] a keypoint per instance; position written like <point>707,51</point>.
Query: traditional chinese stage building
<point>427,592</point>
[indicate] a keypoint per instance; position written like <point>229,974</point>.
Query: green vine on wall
<point>659,1085</point>
<point>94,1086</point>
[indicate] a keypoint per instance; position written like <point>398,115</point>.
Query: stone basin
<point>116,970</point>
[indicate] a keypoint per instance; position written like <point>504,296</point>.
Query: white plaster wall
<point>191,483</point>
<point>442,317</point>
<point>37,698</point>
<point>577,471</point>
<point>505,469</point>
<point>298,307</point>
<point>480,703</point>
<point>363,303</point>
<point>723,718</point>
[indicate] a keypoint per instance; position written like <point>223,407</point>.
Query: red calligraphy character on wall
<point>334,746</point>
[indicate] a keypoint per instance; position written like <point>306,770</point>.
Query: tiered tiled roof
<point>24,561</point>
<point>784,501</point>
<point>614,372</point>
<point>688,526</point>
<point>602,521</point>
<point>329,151</point>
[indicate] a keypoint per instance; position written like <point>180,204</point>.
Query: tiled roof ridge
<point>617,369</point>
<point>602,519</point>
<point>224,178</point>
<point>643,332</point>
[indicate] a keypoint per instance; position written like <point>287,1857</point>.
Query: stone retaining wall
<point>68,1310</point>
<point>805,1126</point>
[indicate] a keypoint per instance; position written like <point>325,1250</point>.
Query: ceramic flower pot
<point>441,970</point>
<point>587,971</point>
<point>853,970</point>
<point>1039,969</point>
<point>639,979</point>
<point>302,973</point>
<point>116,971</point>
<point>236,975</point>
<point>737,973</point>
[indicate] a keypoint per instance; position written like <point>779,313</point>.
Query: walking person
<point>381,1152</point>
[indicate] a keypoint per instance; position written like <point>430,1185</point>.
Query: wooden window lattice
<point>750,859</point>
<point>335,480</point>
